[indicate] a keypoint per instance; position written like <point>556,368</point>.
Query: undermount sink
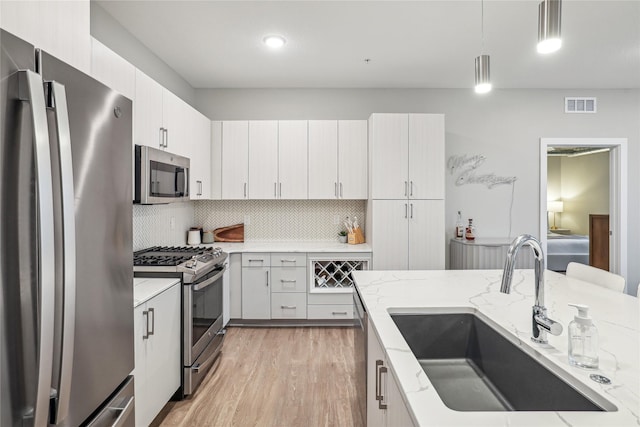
<point>474,365</point>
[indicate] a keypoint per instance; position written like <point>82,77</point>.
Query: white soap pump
<point>583,339</point>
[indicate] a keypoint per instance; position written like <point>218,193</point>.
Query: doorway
<point>552,202</point>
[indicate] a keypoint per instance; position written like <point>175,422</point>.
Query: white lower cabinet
<point>157,353</point>
<point>294,285</point>
<point>330,311</point>
<point>407,234</point>
<point>385,405</point>
<point>288,305</point>
<point>256,289</point>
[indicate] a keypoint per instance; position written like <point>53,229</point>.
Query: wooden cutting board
<point>231,233</point>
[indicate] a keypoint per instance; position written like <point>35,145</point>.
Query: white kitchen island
<point>615,315</point>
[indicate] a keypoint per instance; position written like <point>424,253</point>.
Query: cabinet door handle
<point>411,189</point>
<point>405,210</point>
<point>275,189</point>
<point>166,140</point>
<point>335,189</point>
<point>161,138</point>
<point>411,211</point>
<point>267,277</point>
<point>199,188</point>
<point>245,190</point>
<point>280,190</point>
<point>344,313</point>
<point>288,307</point>
<point>383,370</point>
<point>145,335</point>
<point>405,189</point>
<point>153,321</point>
<point>378,393</point>
<point>340,190</point>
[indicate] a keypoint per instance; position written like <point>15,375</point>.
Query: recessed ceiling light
<point>274,42</point>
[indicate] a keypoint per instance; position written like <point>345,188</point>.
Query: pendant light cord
<point>482,27</point>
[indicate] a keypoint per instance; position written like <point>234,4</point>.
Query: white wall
<point>505,126</point>
<point>117,38</point>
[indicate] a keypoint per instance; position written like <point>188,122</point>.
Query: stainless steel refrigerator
<point>66,302</point>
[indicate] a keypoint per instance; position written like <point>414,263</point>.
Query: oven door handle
<point>201,285</point>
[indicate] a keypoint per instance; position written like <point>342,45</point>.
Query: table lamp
<point>555,207</point>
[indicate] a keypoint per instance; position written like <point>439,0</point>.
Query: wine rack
<point>334,275</point>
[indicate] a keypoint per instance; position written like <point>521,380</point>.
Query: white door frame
<point>617,194</point>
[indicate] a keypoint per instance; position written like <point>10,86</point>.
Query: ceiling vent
<point>579,105</point>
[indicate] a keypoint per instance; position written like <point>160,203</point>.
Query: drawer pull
<point>344,313</point>
<point>289,307</point>
<point>287,281</point>
<point>287,260</point>
<point>256,260</point>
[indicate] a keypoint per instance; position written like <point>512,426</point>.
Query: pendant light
<point>482,63</point>
<point>549,17</point>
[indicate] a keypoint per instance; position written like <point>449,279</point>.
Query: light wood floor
<point>275,377</point>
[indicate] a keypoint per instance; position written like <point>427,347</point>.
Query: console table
<point>485,254</point>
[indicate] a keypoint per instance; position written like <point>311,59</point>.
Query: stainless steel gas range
<point>201,271</point>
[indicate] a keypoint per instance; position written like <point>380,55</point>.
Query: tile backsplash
<point>152,224</point>
<point>267,219</point>
<point>280,219</point>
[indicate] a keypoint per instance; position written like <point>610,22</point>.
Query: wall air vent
<point>579,105</point>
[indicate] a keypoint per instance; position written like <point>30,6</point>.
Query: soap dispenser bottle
<point>583,339</point>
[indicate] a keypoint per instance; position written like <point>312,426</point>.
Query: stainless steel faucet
<point>540,323</point>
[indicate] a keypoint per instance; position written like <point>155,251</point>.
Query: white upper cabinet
<point>352,159</point>
<point>112,70</point>
<point>201,176</point>
<point>161,119</point>
<point>147,112</point>
<point>177,117</point>
<point>292,159</point>
<point>337,159</point>
<point>426,156</point>
<point>389,156</point>
<point>216,161</point>
<point>323,159</point>
<point>235,159</point>
<point>263,159</point>
<point>61,28</point>
<point>409,148</point>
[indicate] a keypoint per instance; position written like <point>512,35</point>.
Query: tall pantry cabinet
<point>405,213</point>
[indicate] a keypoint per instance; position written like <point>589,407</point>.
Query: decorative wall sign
<point>465,166</point>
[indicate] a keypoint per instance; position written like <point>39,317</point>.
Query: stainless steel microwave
<point>160,177</point>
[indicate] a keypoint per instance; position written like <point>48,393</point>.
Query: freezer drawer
<point>119,411</point>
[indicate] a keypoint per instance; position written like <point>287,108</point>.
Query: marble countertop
<point>146,288</point>
<point>615,315</point>
<point>291,246</point>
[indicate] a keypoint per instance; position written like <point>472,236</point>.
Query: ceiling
<point>410,44</point>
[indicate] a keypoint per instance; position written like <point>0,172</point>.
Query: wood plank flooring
<point>282,377</point>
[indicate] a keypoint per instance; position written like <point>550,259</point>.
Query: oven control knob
<point>192,263</point>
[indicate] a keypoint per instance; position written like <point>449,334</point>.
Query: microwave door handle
<point>30,89</point>
<point>186,181</point>
<point>58,101</point>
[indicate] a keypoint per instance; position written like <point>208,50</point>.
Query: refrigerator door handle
<point>58,100</point>
<point>30,89</point>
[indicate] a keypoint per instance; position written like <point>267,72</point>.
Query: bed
<point>565,248</point>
